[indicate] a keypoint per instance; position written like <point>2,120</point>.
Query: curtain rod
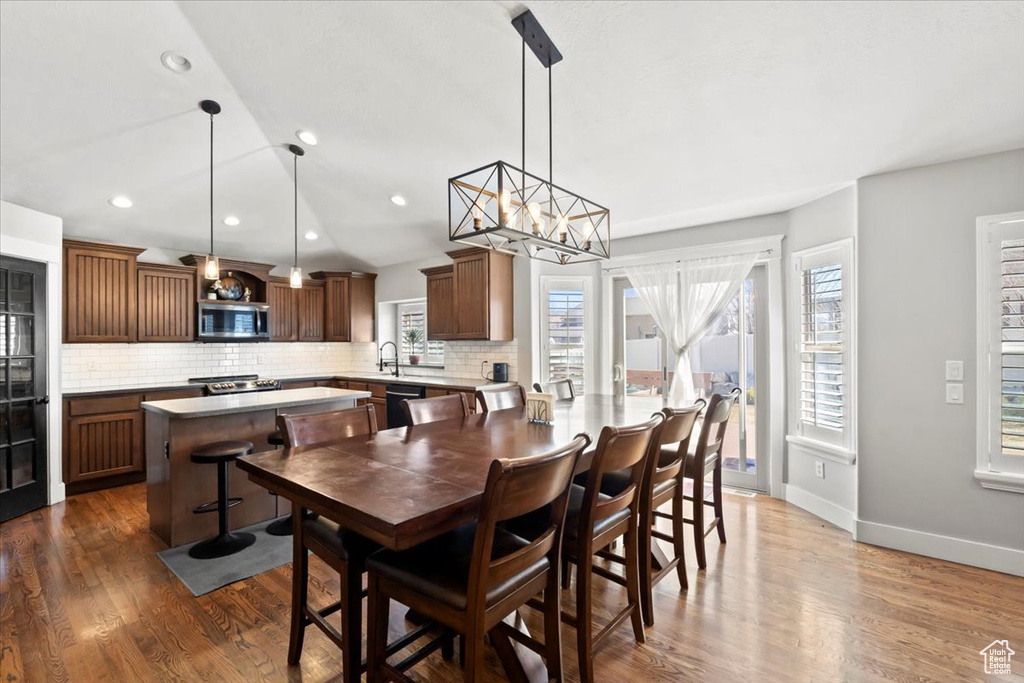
<point>680,260</point>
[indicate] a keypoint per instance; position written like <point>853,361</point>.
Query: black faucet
<point>383,362</point>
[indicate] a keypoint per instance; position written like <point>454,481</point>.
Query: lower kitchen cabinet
<point>104,439</point>
<point>380,406</point>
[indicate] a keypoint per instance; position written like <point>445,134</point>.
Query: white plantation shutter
<point>1011,343</point>
<point>822,398</point>
<point>565,336</point>
<point>414,316</point>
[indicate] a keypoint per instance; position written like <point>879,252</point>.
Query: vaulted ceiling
<point>672,114</point>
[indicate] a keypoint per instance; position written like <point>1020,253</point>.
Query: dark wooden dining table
<point>403,486</point>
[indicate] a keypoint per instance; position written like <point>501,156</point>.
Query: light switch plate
<point>819,469</point>
<point>954,371</point>
<point>954,393</point>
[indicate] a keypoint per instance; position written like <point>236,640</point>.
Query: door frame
<point>26,221</point>
<point>774,379</point>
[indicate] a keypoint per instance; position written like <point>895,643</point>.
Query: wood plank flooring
<point>83,597</point>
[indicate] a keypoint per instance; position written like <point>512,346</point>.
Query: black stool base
<point>221,546</point>
<point>280,527</point>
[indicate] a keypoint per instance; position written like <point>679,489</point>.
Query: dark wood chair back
<point>500,399</point>
<point>560,389</point>
<point>317,429</point>
<point>516,487</point>
<point>712,433</point>
<point>678,430</point>
<point>618,448</point>
<point>422,410</point>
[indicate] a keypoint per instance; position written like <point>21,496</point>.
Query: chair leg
<point>716,489</point>
<point>300,581</point>
<point>698,522</point>
<point>352,622</point>
<point>553,630</point>
<point>474,656</point>
<point>378,610</point>
<point>584,617</point>
<point>566,573</point>
<point>633,582</point>
<point>679,536</point>
<point>646,565</point>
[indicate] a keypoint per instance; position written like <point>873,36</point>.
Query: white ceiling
<point>672,114</point>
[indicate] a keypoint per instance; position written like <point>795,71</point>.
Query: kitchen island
<point>175,428</point>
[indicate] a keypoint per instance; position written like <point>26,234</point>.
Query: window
<point>821,312</point>
<point>414,317</point>
<point>565,331</point>
<point>1000,457</point>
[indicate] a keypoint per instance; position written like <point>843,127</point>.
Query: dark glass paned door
<point>23,399</point>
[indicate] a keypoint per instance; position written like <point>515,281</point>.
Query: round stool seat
<point>275,438</point>
<point>221,451</point>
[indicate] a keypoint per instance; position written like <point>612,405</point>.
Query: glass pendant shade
<point>296,277</point>
<point>212,271</point>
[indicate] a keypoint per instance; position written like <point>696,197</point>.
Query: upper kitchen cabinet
<point>248,274</point>
<point>310,303</point>
<point>349,305</point>
<point>476,303</point>
<point>100,292</point>
<point>167,303</point>
<point>284,310</point>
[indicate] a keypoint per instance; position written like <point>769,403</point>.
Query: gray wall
<point>829,219</point>
<point>917,309</point>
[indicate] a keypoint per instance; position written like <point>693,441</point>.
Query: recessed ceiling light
<point>398,200</point>
<point>306,137</point>
<point>175,62</point>
<point>120,201</point>
<point>311,235</point>
<point>231,220</point>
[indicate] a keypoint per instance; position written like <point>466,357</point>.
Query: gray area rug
<point>203,576</point>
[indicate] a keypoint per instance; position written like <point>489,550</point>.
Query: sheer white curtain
<point>684,298</point>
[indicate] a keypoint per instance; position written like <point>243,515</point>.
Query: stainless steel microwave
<point>233,321</point>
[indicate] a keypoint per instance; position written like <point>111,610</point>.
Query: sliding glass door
<point>732,354</point>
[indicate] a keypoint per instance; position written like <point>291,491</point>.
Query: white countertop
<point>209,406</point>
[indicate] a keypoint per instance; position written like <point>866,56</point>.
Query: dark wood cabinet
<point>167,303</point>
<point>440,302</point>
<point>283,311</point>
<point>99,292</point>
<point>349,305</point>
<point>311,311</point>
<point>471,299</point>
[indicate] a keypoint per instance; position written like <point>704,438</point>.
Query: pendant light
<point>296,276</point>
<point>505,208</point>
<point>212,271</point>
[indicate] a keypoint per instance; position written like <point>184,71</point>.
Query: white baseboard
<point>996,558</point>
<point>56,493</point>
<point>819,507</point>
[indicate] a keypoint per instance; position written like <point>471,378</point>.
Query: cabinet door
<point>471,297</point>
<point>361,309</point>
<point>283,312</point>
<point>99,295</point>
<point>336,314</point>
<point>380,406</point>
<point>105,445</point>
<point>311,313</point>
<point>167,304</point>
<point>441,306</point>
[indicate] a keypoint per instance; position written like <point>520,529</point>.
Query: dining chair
<point>500,399</point>
<point>423,410</point>
<point>471,578</point>
<point>706,459</point>
<point>343,550</point>
<point>560,389</point>
<point>593,521</point>
<point>662,483</point>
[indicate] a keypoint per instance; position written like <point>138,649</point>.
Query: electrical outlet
<point>92,366</point>
<point>819,469</point>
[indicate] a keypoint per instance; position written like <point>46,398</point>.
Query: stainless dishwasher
<point>396,393</point>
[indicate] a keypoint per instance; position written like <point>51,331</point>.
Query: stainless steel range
<point>235,384</point>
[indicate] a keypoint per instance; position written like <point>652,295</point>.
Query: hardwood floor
<point>83,597</point>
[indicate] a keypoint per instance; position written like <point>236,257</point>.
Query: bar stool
<point>225,542</point>
<point>283,526</point>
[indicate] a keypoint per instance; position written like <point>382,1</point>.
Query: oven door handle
<point>392,393</point>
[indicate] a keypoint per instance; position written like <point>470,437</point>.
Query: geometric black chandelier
<point>502,207</point>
